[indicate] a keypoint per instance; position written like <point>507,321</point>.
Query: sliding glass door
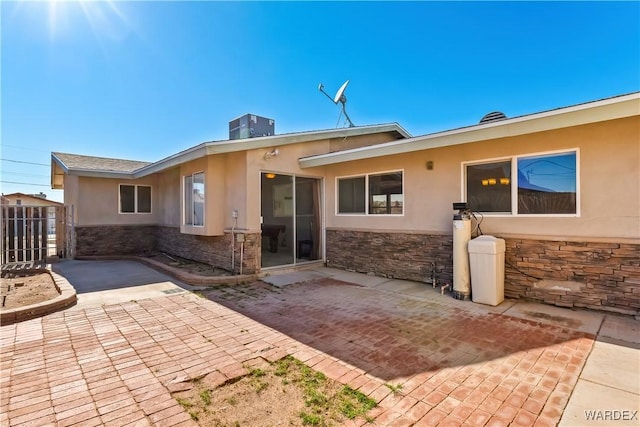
<point>291,222</point>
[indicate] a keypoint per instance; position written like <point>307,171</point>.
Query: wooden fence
<point>33,233</point>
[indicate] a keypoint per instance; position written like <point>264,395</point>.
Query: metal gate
<point>33,233</point>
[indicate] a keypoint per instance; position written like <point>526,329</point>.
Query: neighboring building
<point>35,200</point>
<point>28,200</point>
<point>29,223</point>
<point>562,187</point>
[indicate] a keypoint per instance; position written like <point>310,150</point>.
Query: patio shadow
<point>395,336</point>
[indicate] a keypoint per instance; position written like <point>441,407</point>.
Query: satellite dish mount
<point>340,97</point>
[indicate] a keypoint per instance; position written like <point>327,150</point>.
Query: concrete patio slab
<point>580,320</point>
<point>613,364</point>
<point>95,276</point>
<point>352,277</point>
<point>596,405</point>
<point>111,282</point>
<point>622,328</point>
<point>281,280</point>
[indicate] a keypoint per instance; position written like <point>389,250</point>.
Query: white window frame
<point>135,199</point>
<point>183,202</point>
<point>366,194</point>
<point>514,182</point>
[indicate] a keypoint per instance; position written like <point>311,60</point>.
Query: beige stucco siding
<point>168,198</point>
<point>214,169</point>
<point>286,162</point>
<point>236,183</point>
<point>609,183</point>
<point>97,201</point>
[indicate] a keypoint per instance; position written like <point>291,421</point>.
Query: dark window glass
<point>489,187</point>
<point>144,199</point>
<point>351,195</point>
<point>127,198</point>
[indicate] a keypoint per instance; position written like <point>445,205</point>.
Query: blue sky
<point>143,80</point>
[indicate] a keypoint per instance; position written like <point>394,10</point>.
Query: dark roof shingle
<point>77,161</point>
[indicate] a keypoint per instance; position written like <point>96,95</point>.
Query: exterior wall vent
<point>251,126</point>
<point>493,116</point>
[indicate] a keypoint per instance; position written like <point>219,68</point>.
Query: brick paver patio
<point>457,363</point>
<point>111,365</point>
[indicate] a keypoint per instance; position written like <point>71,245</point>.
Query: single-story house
<point>22,199</point>
<point>562,187</point>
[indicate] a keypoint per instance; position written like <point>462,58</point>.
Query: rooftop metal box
<point>251,126</point>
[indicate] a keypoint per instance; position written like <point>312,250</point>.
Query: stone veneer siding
<point>602,276</point>
<point>395,255</point>
<point>607,275</point>
<point>115,240</point>
<point>144,239</point>
<point>213,250</point>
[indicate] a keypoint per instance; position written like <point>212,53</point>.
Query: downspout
<point>241,255</point>
<point>233,242</point>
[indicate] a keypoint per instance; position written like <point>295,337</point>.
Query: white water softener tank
<point>486,257</point>
<point>461,238</point>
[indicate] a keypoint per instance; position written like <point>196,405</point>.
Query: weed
<point>324,403</point>
<point>315,398</point>
<point>184,403</point>
<point>310,419</point>
<point>354,403</point>
<point>395,389</point>
<point>282,366</point>
<point>260,385</point>
<point>206,397</point>
<point>257,372</point>
<point>348,409</point>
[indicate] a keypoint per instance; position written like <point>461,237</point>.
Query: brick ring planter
<point>66,299</point>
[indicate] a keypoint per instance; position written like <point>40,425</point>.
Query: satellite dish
<point>339,97</point>
<point>340,93</point>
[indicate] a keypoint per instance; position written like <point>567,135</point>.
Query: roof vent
<point>493,116</point>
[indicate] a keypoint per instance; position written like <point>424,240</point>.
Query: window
<point>135,198</point>
<point>385,193</point>
<point>489,187</point>
<point>351,195</point>
<point>374,194</point>
<point>547,184</point>
<point>194,199</point>
<point>541,184</point>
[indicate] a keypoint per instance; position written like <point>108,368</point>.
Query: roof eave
<point>91,173</point>
<point>55,164</point>
<point>221,147</point>
<point>608,109</point>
